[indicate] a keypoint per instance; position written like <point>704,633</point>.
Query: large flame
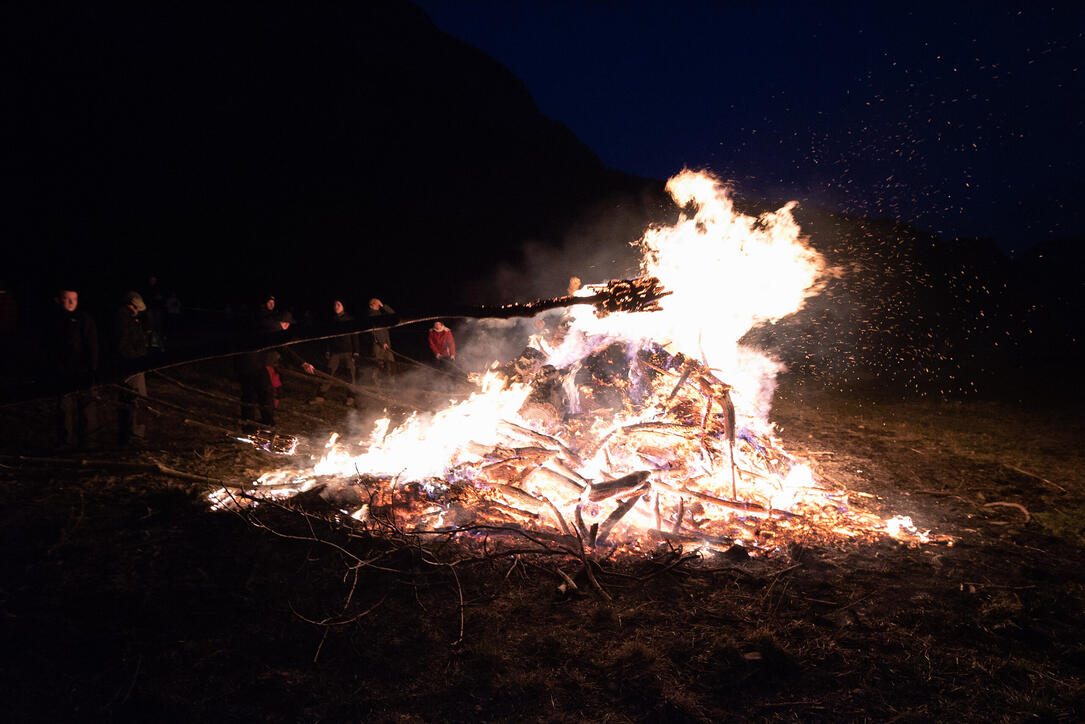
<point>680,448</point>
<point>726,272</point>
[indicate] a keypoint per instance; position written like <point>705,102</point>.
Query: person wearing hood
<point>443,346</point>
<point>130,347</point>
<point>441,343</point>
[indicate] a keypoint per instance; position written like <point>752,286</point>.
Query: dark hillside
<point>232,150</point>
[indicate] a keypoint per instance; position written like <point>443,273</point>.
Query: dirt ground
<point>124,598</point>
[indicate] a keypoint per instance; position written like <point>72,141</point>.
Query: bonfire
<point>636,426</point>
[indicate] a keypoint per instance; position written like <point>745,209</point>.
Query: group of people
<point>75,361</point>
<point>259,373</point>
<point>76,353</point>
<point>344,350</point>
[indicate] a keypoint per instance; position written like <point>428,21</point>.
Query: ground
<point>123,597</point>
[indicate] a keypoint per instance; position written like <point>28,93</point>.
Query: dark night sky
<point>964,118</point>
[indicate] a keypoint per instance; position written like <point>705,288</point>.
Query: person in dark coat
<point>342,353</point>
<point>154,317</point>
<point>266,316</point>
<point>257,371</point>
<point>72,348</point>
<point>382,344</point>
<point>130,346</point>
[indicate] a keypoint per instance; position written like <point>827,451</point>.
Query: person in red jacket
<point>442,343</point>
<point>443,347</point>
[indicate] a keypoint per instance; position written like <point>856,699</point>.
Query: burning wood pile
<point>654,452</point>
<point>615,438</point>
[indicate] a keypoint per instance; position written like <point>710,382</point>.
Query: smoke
<point>598,247</point>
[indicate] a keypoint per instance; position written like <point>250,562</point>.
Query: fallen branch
<point>120,465</point>
<point>1034,475</point>
<point>1003,504</point>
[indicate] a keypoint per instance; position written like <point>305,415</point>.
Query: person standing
<point>382,343</point>
<point>72,346</point>
<point>257,371</point>
<point>274,358</point>
<point>443,345</point>
<point>342,353</point>
<point>154,316</point>
<point>266,316</point>
<point>130,346</point>
<point>253,370</point>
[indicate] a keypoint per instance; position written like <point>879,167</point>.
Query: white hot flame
<point>726,272</point>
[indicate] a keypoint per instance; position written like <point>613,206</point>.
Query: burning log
<point>545,475</point>
<point>273,442</point>
<point>511,509</point>
<point>587,535</point>
<point>520,496</point>
<point>557,515</point>
<point>613,518</point>
<point>527,432</point>
<point>610,488</point>
<point>521,461</point>
<point>565,471</point>
<point>660,428</point>
<point>736,506</point>
<point>681,381</point>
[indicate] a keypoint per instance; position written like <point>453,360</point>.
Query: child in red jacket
<point>442,343</point>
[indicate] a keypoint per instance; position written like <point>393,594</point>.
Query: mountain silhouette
<point>236,150</point>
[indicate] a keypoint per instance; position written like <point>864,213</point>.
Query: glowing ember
<point>630,429</point>
<point>272,442</point>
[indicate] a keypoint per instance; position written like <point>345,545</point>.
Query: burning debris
<point>272,442</point>
<point>617,437</point>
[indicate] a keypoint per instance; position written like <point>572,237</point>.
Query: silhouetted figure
<point>382,344</point>
<point>266,316</point>
<point>130,346</point>
<point>257,371</point>
<point>276,356</point>
<point>72,350</point>
<point>342,353</point>
<point>154,316</point>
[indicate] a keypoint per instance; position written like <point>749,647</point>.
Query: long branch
<point>630,295</point>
